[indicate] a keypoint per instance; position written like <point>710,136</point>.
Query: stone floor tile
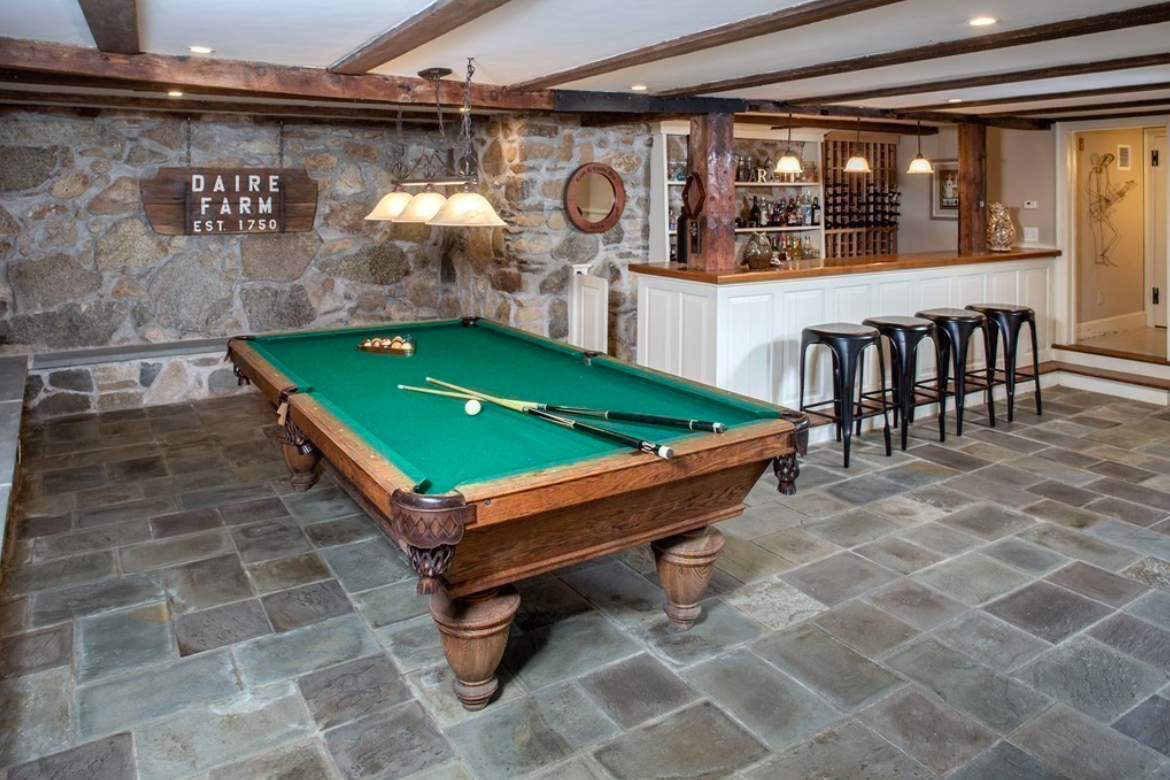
<point>203,737</point>
<point>839,578</point>
<point>295,653</point>
<point>307,604</point>
<point>399,601</point>
<point>1138,494</point>
<point>1126,510</point>
<point>111,758</point>
<point>73,479</point>
<point>1051,469</point>
<point>846,679</point>
<point>618,591</point>
<point>577,768</point>
<point>849,529</point>
<point>778,710</point>
<point>245,512</point>
<point>368,564</point>
<point>1148,723</point>
<point>1063,514</point>
<point>1032,558</point>
<point>554,723</point>
<point>764,518</point>
<point>979,489</point>
<point>1097,584</point>
<point>1016,444</point>
<point>269,539</point>
<point>972,578</point>
<point>1064,492</point>
<point>1005,761</point>
<point>413,644</point>
<point>118,703</point>
<point>1083,748</point>
<point>635,690</point>
<point>917,605</point>
<point>1142,540</point>
<point>991,641</point>
<point>988,521</point>
<point>14,616</point>
<point>940,538</point>
<point>44,525</point>
<point>949,458</point>
<point>1154,607</point>
<point>864,489</point>
<point>846,752</point>
<point>77,570</point>
<point>567,649</point>
<point>39,716</point>
<point>865,628</point>
<point>899,555</point>
<point>304,761</point>
<point>796,545</point>
<point>1005,475</point>
<point>1095,679</point>
<point>1137,638</point>
<point>208,629</point>
<point>1150,571</point>
<point>36,651</point>
<point>189,522</point>
<point>719,628</point>
<point>136,469</point>
<point>905,510</point>
<point>224,494</point>
<point>917,473</point>
<point>774,603</point>
<point>1049,612</point>
<point>284,573</point>
<point>748,562</point>
<point>433,688</point>
<point>938,736</point>
<point>79,601</point>
<point>995,700</point>
<point>699,741</point>
<point>1077,545</point>
<point>352,690</point>
<point>143,509</point>
<point>815,504</point>
<point>115,643</point>
<point>102,537</point>
<point>343,530</point>
<point>207,583</point>
<point>323,502</point>
<point>170,552</point>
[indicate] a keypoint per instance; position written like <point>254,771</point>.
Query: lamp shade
<point>789,163</point>
<point>857,164</point>
<point>467,209</point>
<point>920,165</point>
<point>390,207</point>
<point>422,207</point>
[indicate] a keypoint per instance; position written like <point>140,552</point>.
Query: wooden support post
<point>972,189</point>
<point>712,155</point>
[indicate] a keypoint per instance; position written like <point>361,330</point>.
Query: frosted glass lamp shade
<point>789,163</point>
<point>390,207</point>
<point>920,165</point>
<point>422,207</point>
<point>467,209</point>
<point>857,164</point>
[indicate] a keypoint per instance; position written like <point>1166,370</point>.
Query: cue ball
<point>473,407</point>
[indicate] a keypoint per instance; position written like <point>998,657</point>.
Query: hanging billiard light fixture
<point>789,163</point>
<point>920,164</point>
<point>394,202</point>
<point>857,163</point>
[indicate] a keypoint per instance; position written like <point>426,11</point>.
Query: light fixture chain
<point>188,136</point>
<point>280,147</point>
<point>465,160</point>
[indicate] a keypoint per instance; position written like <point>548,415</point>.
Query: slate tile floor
<point>994,607</point>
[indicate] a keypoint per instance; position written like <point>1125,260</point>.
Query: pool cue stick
<point>581,411</point>
<point>642,445</point>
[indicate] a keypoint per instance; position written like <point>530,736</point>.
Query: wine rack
<point>861,210</point>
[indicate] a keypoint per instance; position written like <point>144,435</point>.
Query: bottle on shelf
<point>754,214</point>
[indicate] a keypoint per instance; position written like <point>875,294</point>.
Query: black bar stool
<point>1008,319</point>
<point>905,334</point>
<point>846,343</point>
<point>955,328</point>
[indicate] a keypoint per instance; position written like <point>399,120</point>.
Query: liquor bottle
<point>797,249</point>
<point>754,214</point>
<point>816,210</point>
<point>808,251</point>
<point>673,224</point>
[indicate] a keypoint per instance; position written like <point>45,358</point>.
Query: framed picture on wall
<point>944,190</point>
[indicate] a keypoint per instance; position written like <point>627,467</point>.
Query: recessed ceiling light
<point>982,21</point>
<point>639,88</point>
<point>174,93</point>
<point>200,49</point>
<point>955,100</point>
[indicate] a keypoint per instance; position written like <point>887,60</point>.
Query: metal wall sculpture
<point>1104,197</point>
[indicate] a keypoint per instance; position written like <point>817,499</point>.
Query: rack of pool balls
<point>395,345</point>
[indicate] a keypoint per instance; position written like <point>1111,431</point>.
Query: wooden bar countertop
<point>839,266</point>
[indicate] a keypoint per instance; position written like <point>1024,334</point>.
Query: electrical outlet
<point>1030,204</point>
<point>1032,235</point>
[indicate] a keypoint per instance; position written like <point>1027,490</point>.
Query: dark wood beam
<point>711,152</point>
<point>972,189</point>
<point>1107,115</point>
<point>1119,105</point>
<point>781,122</point>
<point>571,101</point>
<point>765,24</point>
<point>258,79</point>
<point>113,24</point>
<point>1068,28</point>
<point>437,19</point>
<point>1043,96</point>
<point>1012,122</point>
<point>991,79</point>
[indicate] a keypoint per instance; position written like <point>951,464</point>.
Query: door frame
<point>1065,270</point>
<point>1150,221</point>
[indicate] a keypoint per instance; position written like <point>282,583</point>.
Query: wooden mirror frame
<point>571,198</point>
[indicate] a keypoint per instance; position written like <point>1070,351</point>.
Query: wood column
<point>711,150</point>
<point>972,189</point>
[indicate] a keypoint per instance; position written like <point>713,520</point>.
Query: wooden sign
<point>219,201</point>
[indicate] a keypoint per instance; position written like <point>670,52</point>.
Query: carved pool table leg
<point>685,565</point>
<point>302,465</point>
<point>474,630</point>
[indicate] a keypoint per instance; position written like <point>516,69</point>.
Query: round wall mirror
<point>594,198</point>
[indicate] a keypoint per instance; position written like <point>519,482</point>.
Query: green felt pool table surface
<point>435,443</point>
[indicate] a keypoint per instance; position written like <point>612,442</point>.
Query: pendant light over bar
<point>857,163</point>
<point>789,163</point>
<point>920,164</point>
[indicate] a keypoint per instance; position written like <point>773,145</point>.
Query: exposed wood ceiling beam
<point>437,19</point>
<point>1119,105</point>
<point>781,123</point>
<point>1069,28</point>
<point>1043,96</point>
<point>865,112</point>
<point>1107,115</point>
<point>113,23</point>
<point>572,101</point>
<point>991,79</point>
<point>764,24</point>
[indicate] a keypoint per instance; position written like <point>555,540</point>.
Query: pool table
<point>477,502</point>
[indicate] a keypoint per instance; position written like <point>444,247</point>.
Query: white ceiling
<point>529,38</point>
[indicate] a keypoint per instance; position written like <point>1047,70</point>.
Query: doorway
<point>1120,231</point>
